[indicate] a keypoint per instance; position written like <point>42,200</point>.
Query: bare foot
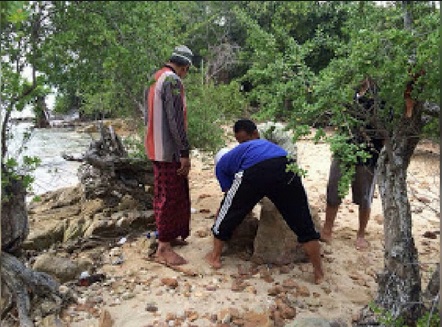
<point>214,263</point>
<point>362,244</point>
<point>170,257</point>
<point>326,237</point>
<point>319,276</point>
<point>178,242</point>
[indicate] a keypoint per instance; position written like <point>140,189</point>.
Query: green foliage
<point>22,171</point>
<point>119,45</point>
<point>294,167</point>
<point>429,319</point>
<point>303,58</point>
<point>99,103</point>
<point>134,144</point>
<point>376,45</point>
<point>37,198</point>
<point>432,130</point>
<point>13,12</point>
<point>347,154</point>
<point>62,104</point>
<point>209,108</point>
<point>385,318</point>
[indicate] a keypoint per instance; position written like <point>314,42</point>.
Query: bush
<point>209,108</point>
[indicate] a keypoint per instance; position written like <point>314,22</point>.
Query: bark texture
<point>400,281</point>
<point>14,217</point>
<point>108,172</point>
<point>22,284</point>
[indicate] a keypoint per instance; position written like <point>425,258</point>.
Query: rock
<point>91,207</point>
<point>105,319</point>
<point>254,319</point>
<point>289,283</point>
<point>275,290</point>
<point>302,291</point>
<point>202,233</point>
<point>63,289</point>
<point>151,307</point>
<point>309,322</point>
<point>75,228</point>
<point>43,237</point>
<point>285,269</point>
<point>63,269</point>
<point>127,295</point>
<point>288,312</point>
<point>429,234</point>
<point>191,315</point>
<point>170,282</point>
<point>423,199</point>
<point>238,285</point>
<point>50,217</point>
<point>244,235</point>
<point>275,242</point>
<point>127,202</point>
<point>379,219</point>
<point>63,197</point>
<point>51,321</point>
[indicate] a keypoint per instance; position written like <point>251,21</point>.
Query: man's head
<point>181,59</point>
<point>245,130</point>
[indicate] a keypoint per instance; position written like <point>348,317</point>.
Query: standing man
<point>254,169</point>
<point>363,183</point>
<point>167,145</point>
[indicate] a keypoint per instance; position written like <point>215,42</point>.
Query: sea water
<point>49,145</point>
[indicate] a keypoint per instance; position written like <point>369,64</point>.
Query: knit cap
<point>184,53</point>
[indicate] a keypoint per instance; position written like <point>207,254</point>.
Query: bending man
<point>252,170</point>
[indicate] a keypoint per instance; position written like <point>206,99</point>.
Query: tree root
<point>7,306</point>
<point>23,282</point>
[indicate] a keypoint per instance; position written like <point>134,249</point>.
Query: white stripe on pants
<point>228,201</point>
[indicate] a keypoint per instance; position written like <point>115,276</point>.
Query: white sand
<point>350,274</point>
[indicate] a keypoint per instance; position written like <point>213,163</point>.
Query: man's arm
<point>174,109</point>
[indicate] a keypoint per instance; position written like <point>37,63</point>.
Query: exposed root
<point>23,282</point>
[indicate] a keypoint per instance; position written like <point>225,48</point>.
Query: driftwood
<point>70,157</point>
<point>109,173</point>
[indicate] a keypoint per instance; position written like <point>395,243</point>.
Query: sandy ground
<point>140,293</point>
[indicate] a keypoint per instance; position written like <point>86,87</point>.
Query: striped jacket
<point>166,130</point>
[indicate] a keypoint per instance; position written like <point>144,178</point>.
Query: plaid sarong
<point>171,201</point>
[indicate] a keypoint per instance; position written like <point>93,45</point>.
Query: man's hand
<point>185,167</point>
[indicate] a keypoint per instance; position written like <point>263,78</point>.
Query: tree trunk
<point>434,283</point>
<point>400,282</point>
<point>41,113</point>
<point>14,218</point>
<point>20,281</point>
